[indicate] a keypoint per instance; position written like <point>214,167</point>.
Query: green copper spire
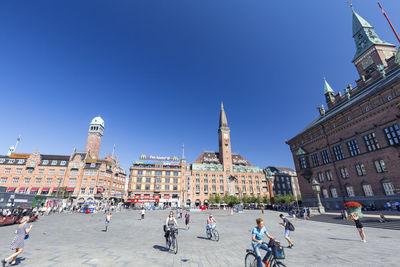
<point>364,35</point>
<point>327,88</point>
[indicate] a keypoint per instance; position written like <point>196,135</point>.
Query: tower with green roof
<point>371,50</point>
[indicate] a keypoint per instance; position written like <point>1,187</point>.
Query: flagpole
<point>390,23</point>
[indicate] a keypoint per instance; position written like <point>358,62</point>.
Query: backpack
<point>290,226</point>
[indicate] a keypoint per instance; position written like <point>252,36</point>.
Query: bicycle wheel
<point>250,260</point>
<point>216,235</point>
<point>169,242</point>
<point>208,232</point>
<point>175,246</point>
<point>278,264</point>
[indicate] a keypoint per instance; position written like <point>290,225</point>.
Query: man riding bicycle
<point>256,236</point>
<point>211,223</point>
<point>170,224</point>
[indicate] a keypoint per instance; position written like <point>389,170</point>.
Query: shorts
<point>107,223</point>
<point>287,233</point>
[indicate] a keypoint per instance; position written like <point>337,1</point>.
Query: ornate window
<point>315,160</point>
<point>354,150</point>
<point>371,142</point>
<point>337,150</point>
<point>326,158</point>
<point>334,192</point>
<point>393,134</point>
<point>321,177</point>
<point>329,176</point>
<point>388,187</point>
<point>303,163</point>
<point>350,190</point>
<point>325,193</point>
<point>344,173</point>
<point>367,190</point>
<point>360,168</point>
<point>380,166</point>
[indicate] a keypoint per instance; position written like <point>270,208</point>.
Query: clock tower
<point>95,135</point>
<point>372,53</point>
<point>225,153</point>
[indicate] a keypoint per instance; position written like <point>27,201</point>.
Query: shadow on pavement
<point>18,261</point>
<point>160,248</point>
<point>344,239</point>
<point>202,237</point>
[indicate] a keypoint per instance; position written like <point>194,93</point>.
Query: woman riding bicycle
<point>211,223</point>
<point>170,224</point>
<point>256,236</point>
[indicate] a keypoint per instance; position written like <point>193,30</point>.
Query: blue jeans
<point>211,227</point>
<point>258,254</point>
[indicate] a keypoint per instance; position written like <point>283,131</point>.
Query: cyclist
<point>170,224</point>
<point>211,223</point>
<point>256,236</point>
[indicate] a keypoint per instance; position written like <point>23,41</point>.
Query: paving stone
<point>79,240</point>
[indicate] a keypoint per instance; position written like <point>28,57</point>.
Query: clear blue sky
<point>157,70</point>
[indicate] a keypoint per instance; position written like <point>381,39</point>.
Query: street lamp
<point>317,189</point>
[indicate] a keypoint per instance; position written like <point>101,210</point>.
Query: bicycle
<point>251,259</point>
<point>172,241</point>
<point>212,235</point>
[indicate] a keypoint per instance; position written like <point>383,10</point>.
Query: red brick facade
<point>353,149</point>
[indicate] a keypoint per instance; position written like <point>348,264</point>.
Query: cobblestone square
<point>79,240</point>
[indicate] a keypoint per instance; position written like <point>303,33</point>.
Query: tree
<point>245,199</point>
<point>211,200</point>
<point>266,200</point>
<point>218,199</point>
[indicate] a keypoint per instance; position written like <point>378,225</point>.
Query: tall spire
<point>223,122</point>
<point>327,87</point>
<point>364,35</point>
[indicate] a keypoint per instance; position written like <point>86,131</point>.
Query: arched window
<point>350,190</point>
<point>388,187</point>
<point>367,190</point>
<point>333,192</point>
<point>325,193</point>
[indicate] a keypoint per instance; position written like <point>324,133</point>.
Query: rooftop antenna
<point>390,23</point>
<point>183,151</point>
<point>350,5</point>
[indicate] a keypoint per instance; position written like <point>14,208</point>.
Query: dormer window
<point>92,165</point>
<point>45,162</point>
<point>54,162</point>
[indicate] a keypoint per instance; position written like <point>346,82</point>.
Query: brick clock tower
<point>93,142</point>
<point>225,153</point>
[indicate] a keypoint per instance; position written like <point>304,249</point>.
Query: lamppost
<point>317,189</point>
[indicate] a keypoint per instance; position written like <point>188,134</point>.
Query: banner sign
<point>160,158</point>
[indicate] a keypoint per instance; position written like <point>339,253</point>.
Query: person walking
<point>143,212</point>
<point>21,234</point>
<point>180,212</point>
<point>108,220</point>
<point>187,220</point>
<point>359,226</point>
<point>397,204</point>
<point>286,224</point>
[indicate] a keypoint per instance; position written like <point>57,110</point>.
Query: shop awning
<point>45,189</point>
<point>55,189</point>
<point>99,189</point>
<point>11,189</point>
<point>70,189</point>
<point>34,189</point>
<point>22,189</point>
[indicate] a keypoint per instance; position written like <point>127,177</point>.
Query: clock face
<point>367,62</point>
<point>226,136</point>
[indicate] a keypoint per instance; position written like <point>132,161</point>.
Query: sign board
<point>159,158</point>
